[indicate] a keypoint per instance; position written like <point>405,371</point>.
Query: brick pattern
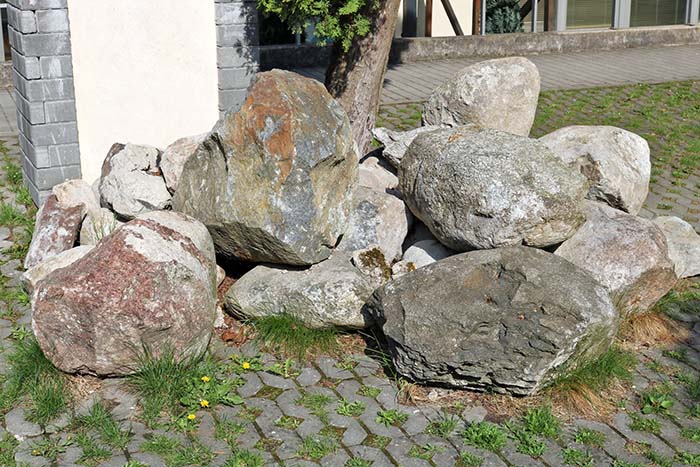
<point>238,54</point>
<point>43,79</point>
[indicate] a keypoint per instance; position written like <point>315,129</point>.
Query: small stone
<point>174,157</point>
<point>18,426</point>
<point>32,276</point>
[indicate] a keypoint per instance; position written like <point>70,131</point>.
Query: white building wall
<point>441,23</point>
<point>145,72</point>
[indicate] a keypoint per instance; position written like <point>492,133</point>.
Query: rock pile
<point>490,260</point>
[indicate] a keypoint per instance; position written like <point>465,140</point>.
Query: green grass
<point>350,409</point>
<point>177,454</point>
<point>369,391</point>
<point>391,417</point>
<point>289,423</point>
<point>93,451</point>
<point>658,459</point>
<point>8,444</point>
<point>443,427</point>
<point>614,365</point>
<point>288,335</point>
<point>31,375</point>
<point>101,421</point>
<point>621,463</point>
<point>175,387</point>
<point>244,458</point>
<point>228,430</point>
<point>689,458</point>
<point>541,421</point>
<point>358,462</point>
<point>50,448</point>
<point>526,441</point>
<point>316,403</point>
<point>691,434</point>
<point>376,441</point>
<point>316,447</point>
<point>425,452</point>
<point>485,435</point>
<point>577,458</point>
<point>589,437</point>
<point>657,399</point>
<point>467,459</point>
<point>649,425</point>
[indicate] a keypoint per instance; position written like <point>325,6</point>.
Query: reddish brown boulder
<point>56,230</point>
<point>150,285</point>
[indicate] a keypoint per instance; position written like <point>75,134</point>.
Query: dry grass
<point>652,329</point>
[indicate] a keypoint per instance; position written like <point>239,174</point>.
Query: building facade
<point>88,74</point>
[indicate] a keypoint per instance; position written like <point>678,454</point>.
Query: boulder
<point>371,262</point>
<point>98,223</point>
<point>59,219</point>
<point>615,161</point>
<point>372,174</point>
<point>32,276</point>
<point>328,294</point>
<point>396,143</point>
<point>131,181</point>
<point>55,230</point>
<point>174,157</point>
<point>501,94</point>
<point>683,245</point>
<point>488,189</point>
<point>509,320</point>
<point>273,182</point>
<point>421,254</point>
<point>151,285</point>
<point>377,219</point>
<point>625,253</point>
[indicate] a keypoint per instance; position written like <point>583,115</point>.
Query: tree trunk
<point>355,77</point>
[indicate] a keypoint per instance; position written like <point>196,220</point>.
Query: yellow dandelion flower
<point>206,379</point>
<point>204,403</point>
<point>246,365</point>
<point>191,416</point>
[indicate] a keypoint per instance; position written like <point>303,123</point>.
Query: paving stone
<point>337,459</point>
<point>25,458</point>
<point>276,381</point>
<point>117,395</point>
<point>614,444</point>
<point>116,461</point>
<point>416,422</point>
<point>476,413</point>
<point>252,385</point>
<point>399,448</point>
<point>249,438</point>
<point>148,458</point>
<point>18,426</point>
<point>270,414</point>
<point>329,368</point>
<point>515,458</point>
<point>308,376</point>
<point>310,426</point>
<point>368,419</point>
<point>287,402</point>
<point>621,422</point>
<point>376,456</point>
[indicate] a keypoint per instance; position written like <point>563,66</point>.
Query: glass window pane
<point>589,14</point>
<point>657,12</point>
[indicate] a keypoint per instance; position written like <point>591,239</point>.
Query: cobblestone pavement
<point>413,82</point>
<point>666,114</point>
<point>342,412</point>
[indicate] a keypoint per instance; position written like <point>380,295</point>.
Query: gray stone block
<point>17,424</point>
<point>32,111</point>
<point>232,57</point>
<point>41,90</point>
<point>48,134</point>
<point>38,4</point>
<point>49,156</point>
<point>28,67</point>
<point>52,21</point>
<point>236,35</point>
<point>22,20</point>
<point>232,99</point>
<point>60,111</point>
<point>236,78</point>
<point>46,178</point>
<point>56,67</point>
<point>236,13</point>
<point>40,45</point>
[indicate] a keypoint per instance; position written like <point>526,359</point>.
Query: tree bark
<point>355,77</point>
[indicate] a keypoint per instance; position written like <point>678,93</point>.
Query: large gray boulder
<point>508,320</point>
<point>615,161</point>
<point>396,143</point>
<point>273,182</point>
<point>151,285</point>
<point>625,253</point>
<point>501,94</point>
<point>488,189</point>
<point>131,181</point>
<point>377,219</point>
<point>328,294</point>
<point>683,245</point>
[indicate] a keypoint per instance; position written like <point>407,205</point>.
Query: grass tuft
<point>289,336</point>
